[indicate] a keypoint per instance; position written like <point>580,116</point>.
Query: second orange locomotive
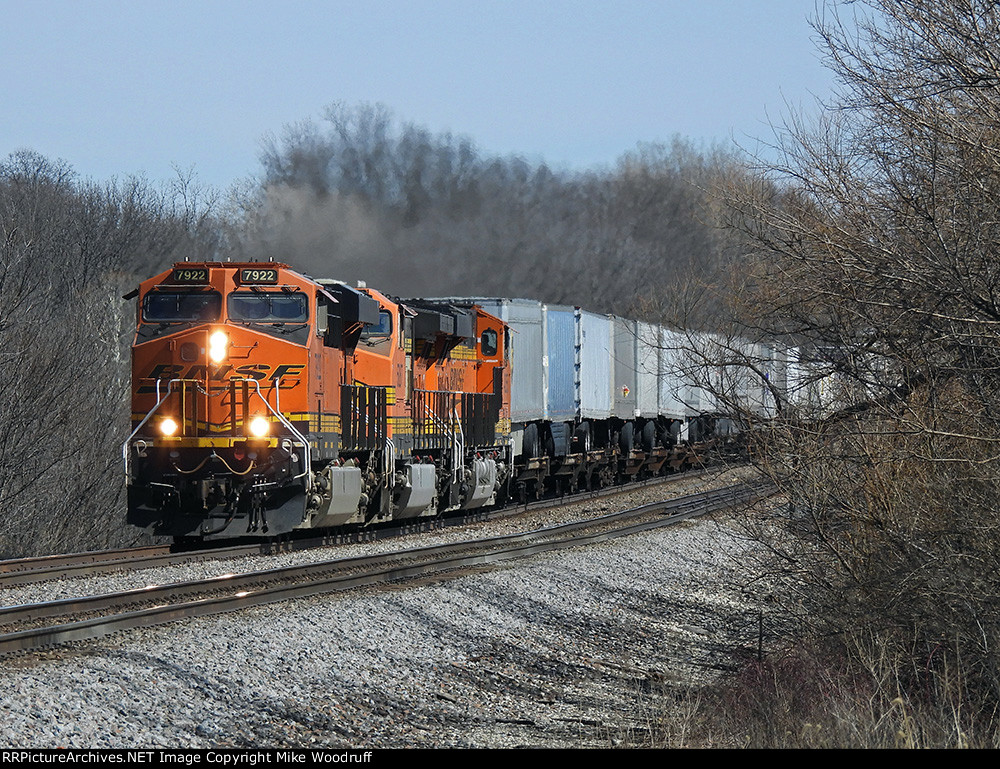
<point>265,401</point>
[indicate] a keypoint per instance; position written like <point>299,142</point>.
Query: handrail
<point>159,402</point>
<point>440,423</point>
<point>457,446</point>
<point>281,417</point>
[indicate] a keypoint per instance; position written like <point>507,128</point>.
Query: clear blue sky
<point>119,88</point>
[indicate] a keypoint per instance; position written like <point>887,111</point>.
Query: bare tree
<point>876,253</point>
<point>69,250</point>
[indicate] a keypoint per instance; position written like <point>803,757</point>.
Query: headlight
<point>218,346</point>
<point>168,426</point>
<point>259,427</point>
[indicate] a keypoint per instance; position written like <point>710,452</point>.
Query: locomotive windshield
<point>268,307</point>
<point>181,306</point>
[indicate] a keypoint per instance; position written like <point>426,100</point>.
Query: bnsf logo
<point>288,373</point>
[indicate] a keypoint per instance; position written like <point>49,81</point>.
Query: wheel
<point>670,434</point>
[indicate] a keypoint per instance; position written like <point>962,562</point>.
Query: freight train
<point>266,402</point>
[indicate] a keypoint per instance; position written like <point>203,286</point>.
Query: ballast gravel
<point>586,647</point>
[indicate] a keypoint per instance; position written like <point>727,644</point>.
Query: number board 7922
<point>266,275</point>
<point>197,275</point>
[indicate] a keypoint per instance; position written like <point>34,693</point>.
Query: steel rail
<point>25,571</point>
<point>17,565</point>
<point>22,571</point>
<point>244,590</point>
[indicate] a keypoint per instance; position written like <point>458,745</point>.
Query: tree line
<point>361,195</point>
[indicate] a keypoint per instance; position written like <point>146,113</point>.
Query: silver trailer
<point>647,369</point>
<point>674,395</point>
<point>562,353</point>
<point>529,380</point>
<point>776,375</point>
<point>625,383</point>
<point>595,364</point>
<point>579,364</point>
<point>702,372</point>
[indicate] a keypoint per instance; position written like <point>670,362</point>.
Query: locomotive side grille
<point>363,416</point>
<point>479,416</point>
<point>434,413</point>
<point>432,419</point>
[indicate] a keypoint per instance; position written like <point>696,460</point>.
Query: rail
<point>168,603</point>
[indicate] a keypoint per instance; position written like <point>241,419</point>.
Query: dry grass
<point>820,699</point>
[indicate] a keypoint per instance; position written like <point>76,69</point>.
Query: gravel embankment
<point>576,648</point>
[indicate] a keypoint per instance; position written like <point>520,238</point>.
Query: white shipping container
<point>672,388</point>
<point>594,356</point>
<point>647,364</point>
<point>526,319</point>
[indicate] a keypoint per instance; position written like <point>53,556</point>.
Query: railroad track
<point>22,571</point>
<point>91,617</point>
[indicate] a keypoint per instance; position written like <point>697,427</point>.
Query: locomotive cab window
<point>382,330</point>
<point>268,307</point>
<point>488,341</point>
<point>181,306</point>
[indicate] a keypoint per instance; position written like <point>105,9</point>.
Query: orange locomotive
<point>264,401</point>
